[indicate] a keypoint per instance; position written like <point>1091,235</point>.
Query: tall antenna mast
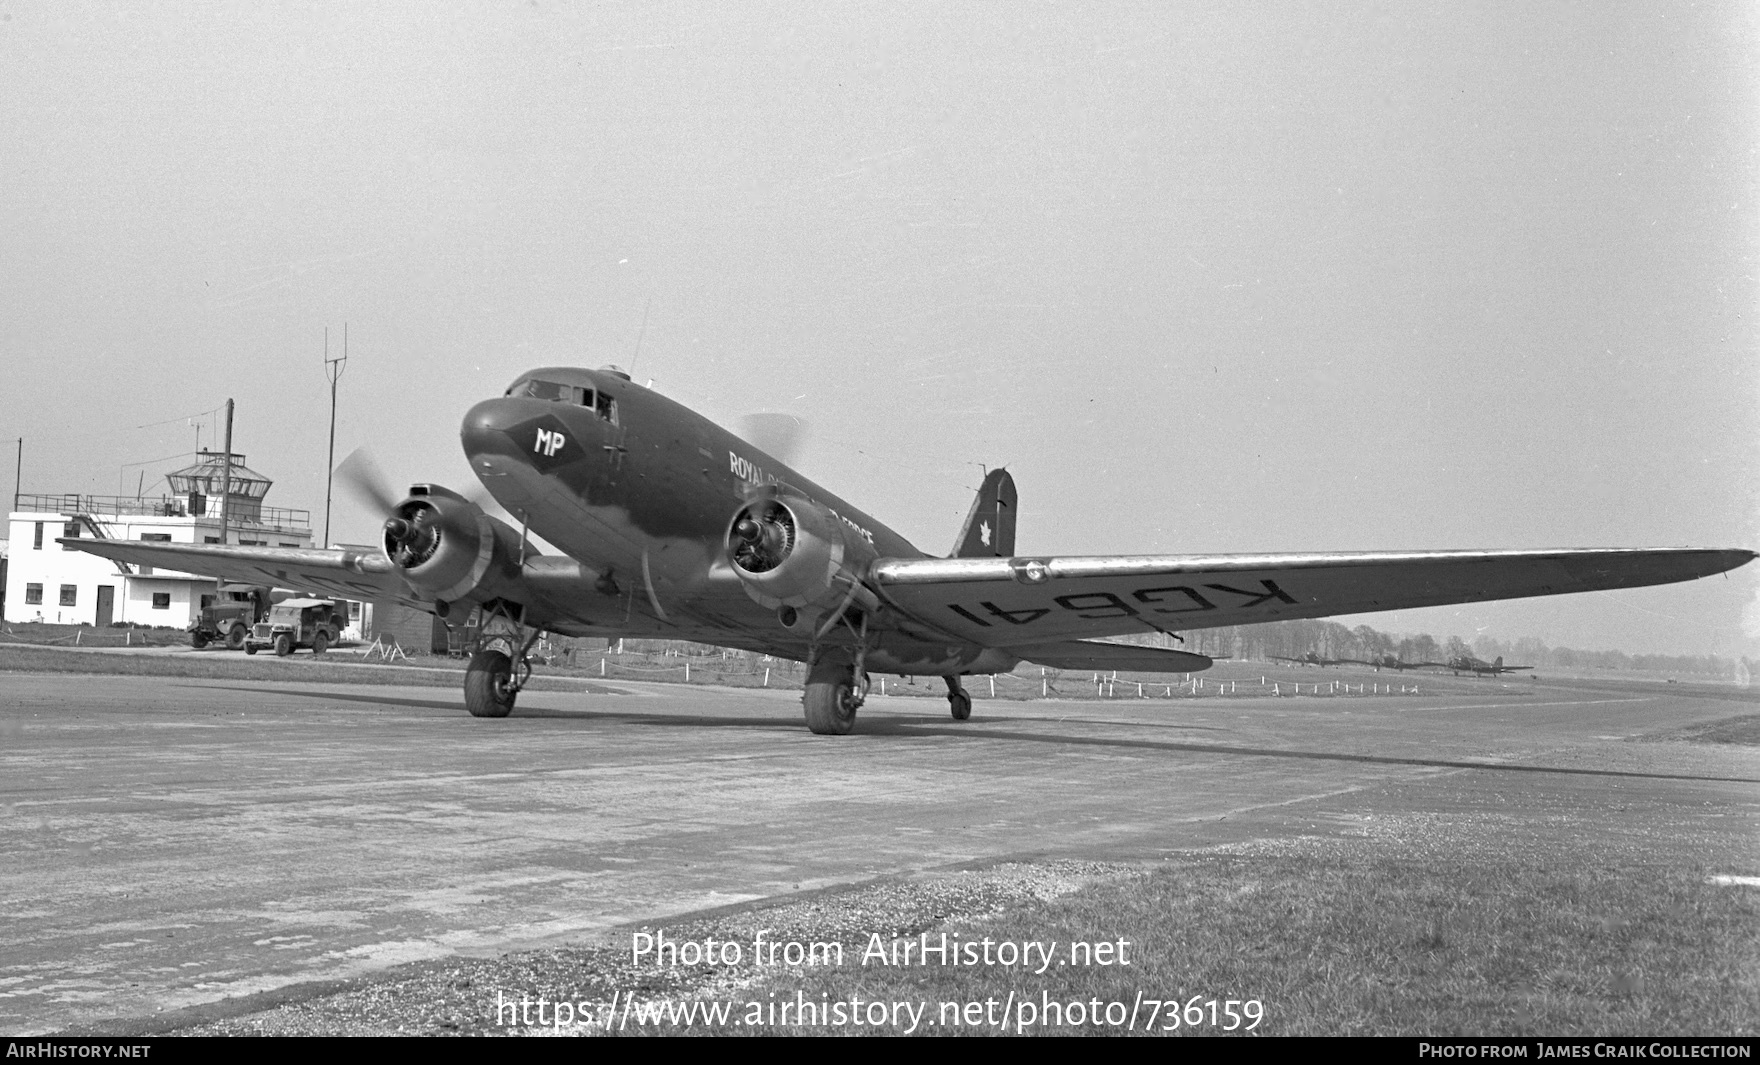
<point>332,369</point>
<point>639,335</point>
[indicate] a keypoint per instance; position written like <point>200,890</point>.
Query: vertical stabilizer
<point>989,528</point>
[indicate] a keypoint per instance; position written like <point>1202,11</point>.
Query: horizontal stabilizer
<point>1087,654</point>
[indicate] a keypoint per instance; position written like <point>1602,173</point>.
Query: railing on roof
<point>243,517</point>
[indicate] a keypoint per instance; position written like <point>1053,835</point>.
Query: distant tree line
<point>1329,639</point>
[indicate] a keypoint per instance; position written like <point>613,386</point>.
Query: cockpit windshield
<point>598,402</point>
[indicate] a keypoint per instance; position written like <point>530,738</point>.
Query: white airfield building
<point>49,582</point>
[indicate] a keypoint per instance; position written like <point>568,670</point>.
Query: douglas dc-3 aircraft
<point>1313,658</point>
<point>670,526</point>
<point>1479,667</point>
<point>1398,665</point>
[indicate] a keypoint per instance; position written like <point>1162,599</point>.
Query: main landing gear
<point>958,699</point>
<point>492,680</point>
<point>837,685</point>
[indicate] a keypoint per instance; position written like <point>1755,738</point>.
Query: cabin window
<point>33,594</point>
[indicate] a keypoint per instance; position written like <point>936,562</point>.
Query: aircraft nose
<point>488,425</point>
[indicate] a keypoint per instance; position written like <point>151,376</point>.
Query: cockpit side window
<point>607,408</point>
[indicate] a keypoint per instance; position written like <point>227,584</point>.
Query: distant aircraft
<point>1313,659</point>
<point>1396,664</point>
<point>670,526</point>
<point>1479,667</point>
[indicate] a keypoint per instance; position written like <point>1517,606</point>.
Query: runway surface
<point>169,842</point>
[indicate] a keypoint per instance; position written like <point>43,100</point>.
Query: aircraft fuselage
<point>640,492</point>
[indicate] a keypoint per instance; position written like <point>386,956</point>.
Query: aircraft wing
<point>344,573</point>
<point>1087,654</point>
<point>1013,602</point>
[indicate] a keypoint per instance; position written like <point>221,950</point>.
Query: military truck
<point>229,616</point>
<point>295,623</point>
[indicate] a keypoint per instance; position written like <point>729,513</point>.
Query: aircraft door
<point>615,433</point>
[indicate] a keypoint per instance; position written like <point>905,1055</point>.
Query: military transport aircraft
<point>1480,667</point>
<point>1398,665</point>
<point>1313,658</point>
<point>670,526</point>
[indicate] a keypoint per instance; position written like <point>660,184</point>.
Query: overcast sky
<point>1207,277</point>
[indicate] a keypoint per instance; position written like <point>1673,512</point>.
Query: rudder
<point>989,528</point>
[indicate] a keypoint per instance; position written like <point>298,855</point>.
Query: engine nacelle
<point>793,552</point>
<point>446,547</point>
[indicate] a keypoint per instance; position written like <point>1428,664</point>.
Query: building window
<point>70,595</point>
<point>156,538</point>
<point>161,600</point>
<point>284,543</point>
<point>38,543</point>
<point>70,531</point>
<point>253,543</point>
<point>33,594</point>
<point>210,539</point>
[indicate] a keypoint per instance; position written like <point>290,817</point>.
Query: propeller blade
<point>361,477</point>
<point>779,435</point>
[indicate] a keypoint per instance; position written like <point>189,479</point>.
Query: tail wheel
<point>320,642</point>
<point>488,685</point>
<point>235,637</point>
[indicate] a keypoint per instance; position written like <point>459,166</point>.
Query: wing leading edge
<point>1018,602</point>
<point>344,573</point>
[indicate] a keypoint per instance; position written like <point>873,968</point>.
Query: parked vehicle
<point>295,623</point>
<point>229,617</point>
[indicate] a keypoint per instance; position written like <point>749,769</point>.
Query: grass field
<point>1322,940</point>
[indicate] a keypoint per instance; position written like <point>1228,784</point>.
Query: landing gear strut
<point>492,680</point>
<point>837,685</point>
<point>958,699</point>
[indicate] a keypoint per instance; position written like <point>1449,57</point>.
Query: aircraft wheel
<point>831,699</point>
<point>283,645</point>
<point>961,702</point>
<point>235,638</point>
<point>197,640</point>
<point>488,685</point>
<point>831,707</point>
<point>320,643</point>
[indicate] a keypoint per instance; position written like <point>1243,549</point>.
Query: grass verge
<point>1333,944</point>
